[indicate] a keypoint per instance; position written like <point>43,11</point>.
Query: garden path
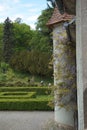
<point>19,120</point>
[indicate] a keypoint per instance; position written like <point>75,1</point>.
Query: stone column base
<point>64,127</point>
<point>53,125</point>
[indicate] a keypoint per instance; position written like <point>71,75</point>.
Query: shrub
<point>17,95</point>
<point>14,93</point>
<point>24,104</point>
<point>34,62</point>
<point>4,67</point>
<point>25,98</point>
<point>38,90</point>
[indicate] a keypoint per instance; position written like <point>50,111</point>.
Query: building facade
<point>64,68</point>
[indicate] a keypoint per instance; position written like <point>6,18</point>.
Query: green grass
<point>14,78</point>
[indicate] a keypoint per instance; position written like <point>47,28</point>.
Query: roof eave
<point>68,6</point>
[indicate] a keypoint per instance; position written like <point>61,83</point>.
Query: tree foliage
<point>40,42</point>
<point>42,21</point>
<point>45,32</point>
<point>18,20</point>
<point>8,40</point>
<point>22,36</point>
<point>1,40</point>
<point>27,50</point>
<point>33,62</point>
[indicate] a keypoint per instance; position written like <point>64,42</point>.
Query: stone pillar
<point>81,43</point>
<point>62,72</point>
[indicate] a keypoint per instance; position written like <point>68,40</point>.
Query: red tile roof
<point>57,17</point>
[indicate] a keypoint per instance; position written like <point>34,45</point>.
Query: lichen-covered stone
<point>64,68</point>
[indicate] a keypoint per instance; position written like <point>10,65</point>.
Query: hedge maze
<point>25,98</point>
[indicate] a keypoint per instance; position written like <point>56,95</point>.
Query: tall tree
<point>22,35</point>
<point>43,29</point>
<point>18,20</point>
<point>8,40</point>
<point>42,21</point>
<point>1,42</point>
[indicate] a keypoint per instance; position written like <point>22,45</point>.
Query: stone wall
<point>64,76</point>
<point>81,43</point>
<point>85,108</point>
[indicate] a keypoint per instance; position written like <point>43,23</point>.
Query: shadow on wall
<point>85,108</point>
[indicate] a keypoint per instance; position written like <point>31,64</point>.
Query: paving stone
<point>14,120</point>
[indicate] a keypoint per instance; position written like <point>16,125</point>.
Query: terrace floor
<point>19,120</point>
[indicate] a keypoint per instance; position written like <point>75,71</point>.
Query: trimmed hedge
<point>17,95</point>
<point>14,93</point>
<point>38,90</point>
<point>30,104</point>
<point>25,98</point>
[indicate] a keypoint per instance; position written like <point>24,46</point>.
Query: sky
<point>27,10</point>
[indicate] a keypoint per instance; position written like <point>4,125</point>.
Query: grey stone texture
<point>52,125</point>
<point>81,32</point>
<point>64,74</point>
<point>19,120</point>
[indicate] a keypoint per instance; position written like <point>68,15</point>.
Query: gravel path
<point>24,120</point>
